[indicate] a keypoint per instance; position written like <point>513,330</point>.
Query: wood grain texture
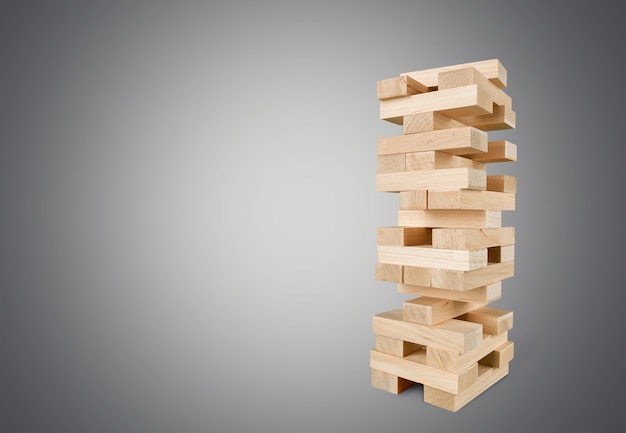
<point>428,257</point>
<point>492,69</point>
<point>449,218</point>
<point>415,199</point>
<point>404,236</point>
<point>463,281</point>
<point>502,117</point>
<point>456,362</point>
<point>434,160</point>
<point>444,179</point>
<point>430,311</point>
<point>500,356</point>
<point>464,239</point>
<point>466,199</point>
<point>398,87</point>
<point>456,335</point>
<point>395,347</point>
<point>494,320</point>
<point>395,163</point>
<point>388,272</point>
<point>480,295</point>
<point>415,275</point>
<point>389,382</point>
<point>502,183</point>
<point>470,75</point>
<point>457,141</point>
<point>428,121</point>
<point>497,151</point>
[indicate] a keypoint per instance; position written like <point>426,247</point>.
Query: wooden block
<point>391,163</point>
<point>502,183</point>
<point>503,117</point>
<point>449,401</point>
<point>413,367</point>
<point>429,121</point>
<point>404,236</point>
<point>463,101</point>
<point>388,272</point>
<point>450,218</point>
<point>466,199</point>
<point>430,311</point>
<point>390,383</point>
<point>398,87</point>
<point>492,69</point>
<point>494,320</point>
<point>445,179</point>
<point>456,362</point>
<point>497,151</point>
<point>455,335</point>
<point>466,239</point>
<point>463,281</point>
<point>457,141</point>
<point>470,75</point>
<point>500,356</point>
<point>500,254</point>
<point>482,295</point>
<point>416,275</point>
<point>396,347</point>
<point>434,160</point>
<point>428,257</point>
<point>416,199</point>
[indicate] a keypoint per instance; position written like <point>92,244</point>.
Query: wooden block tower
<point>449,248</point>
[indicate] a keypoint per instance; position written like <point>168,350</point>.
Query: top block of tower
<point>469,93</point>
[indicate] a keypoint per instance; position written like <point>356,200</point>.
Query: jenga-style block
<point>465,239</point>
<point>404,236</point>
<point>428,121</point>
<point>462,281</point>
<point>428,257</point>
<point>389,382</point>
<point>430,311</point>
<point>482,295</point>
<point>450,218</point>
<point>470,199</point>
<point>451,178</point>
<point>457,141</point>
<point>415,199</point>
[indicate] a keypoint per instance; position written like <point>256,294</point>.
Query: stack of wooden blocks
<point>449,247</point>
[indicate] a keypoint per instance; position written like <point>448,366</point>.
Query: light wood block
<point>450,218</point>
<point>455,335</point>
<point>463,281</point>
<point>430,311</point>
<point>456,362</point>
<point>404,236</point>
<point>390,383</point>
<point>466,239</point>
<point>429,121</point>
<point>388,272</point>
<point>503,117</point>
<point>396,347</point>
<point>457,141</point>
<point>413,367</point>
<point>501,254</point>
<point>480,295</point>
<point>487,377</point>
<point>398,87</point>
<point>416,275</point>
<point>445,179</point>
<point>492,69</point>
<point>467,199</point>
<point>434,160</point>
<point>497,151</point>
<point>502,183</point>
<point>469,75</point>
<point>428,257</point>
<point>416,199</point>
<point>395,163</point>
<point>494,320</point>
<point>500,357</point>
<point>463,101</point>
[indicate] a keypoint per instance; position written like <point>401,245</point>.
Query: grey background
<point>189,214</point>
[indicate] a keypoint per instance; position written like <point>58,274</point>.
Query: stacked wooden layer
<point>449,248</point>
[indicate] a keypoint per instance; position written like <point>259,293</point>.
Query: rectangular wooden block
<point>469,199</point>
<point>452,178</point>
<point>389,382</point>
<point>464,140</point>
<point>413,367</point>
<point>494,320</point>
<point>500,254</point>
<point>502,183</point>
<point>430,311</point>
<point>449,401</point>
<point>395,163</point>
<point>449,218</point>
<point>500,356</point>
<point>456,362</point>
<point>404,236</point>
<point>497,151</point>
<point>428,121</point>
<point>415,199</point>
<point>388,272</point>
<point>492,69</point>
<point>482,295</point>
<point>470,75</point>
<point>396,347</point>
<point>434,160</point>
<point>502,117</point>
<point>463,281</point>
<point>418,276</point>
<point>463,101</point>
<point>398,87</point>
<point>455,335</point>
<point>428,257</point>
<point>465,239</point>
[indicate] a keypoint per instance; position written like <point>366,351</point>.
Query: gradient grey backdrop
<point>189,214</point>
